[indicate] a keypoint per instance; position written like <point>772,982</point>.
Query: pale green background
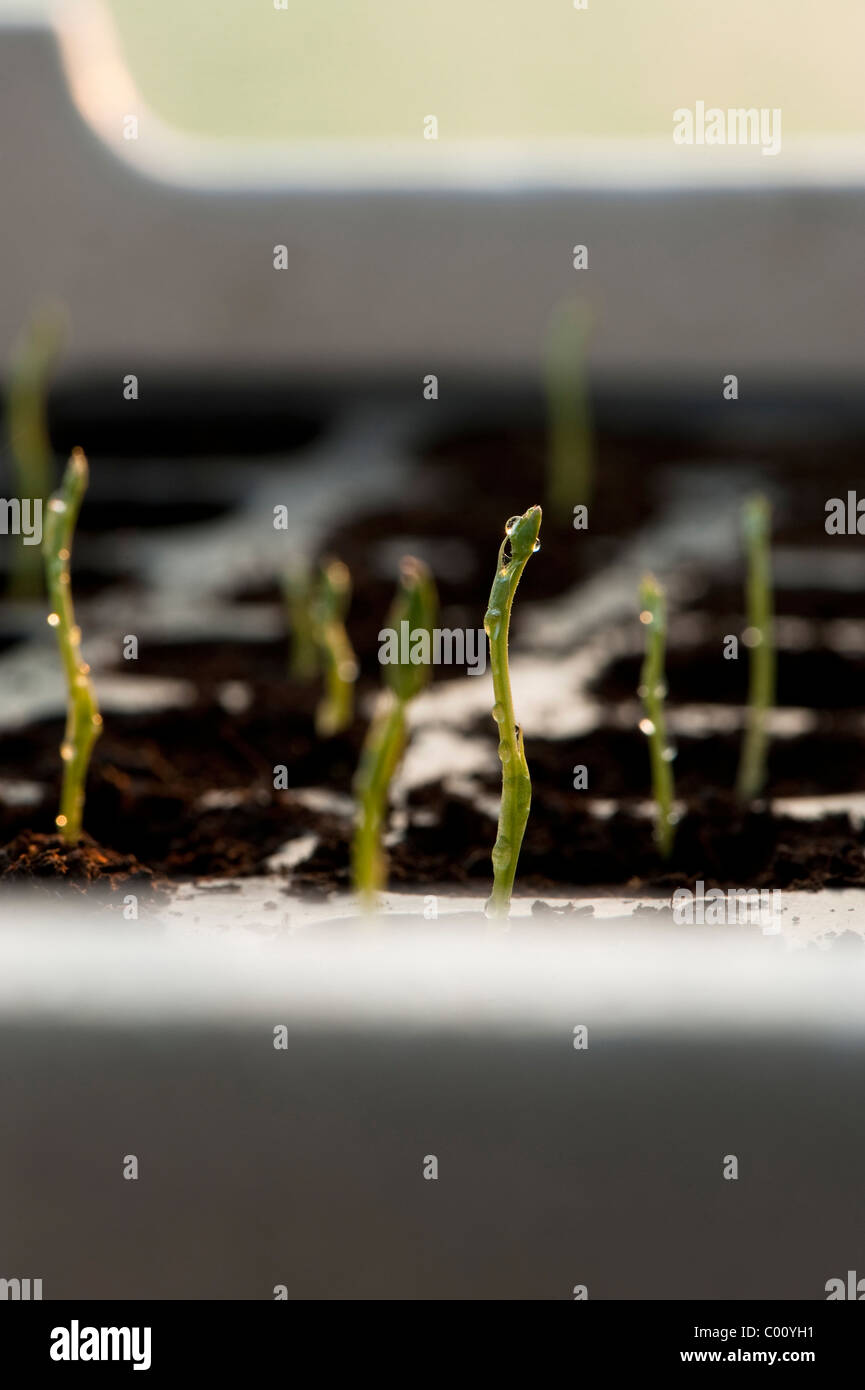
<point>492,68</point>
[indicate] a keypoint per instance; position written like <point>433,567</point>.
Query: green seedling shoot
<point>336,707</point>
<point>83,720</point>
<point>297,591</point>
<point>27,433</point>
<point>416,604</point>
<point>758,638</point>
<point>521,541</point>
<point>652,691</point>
<point>570,444</point>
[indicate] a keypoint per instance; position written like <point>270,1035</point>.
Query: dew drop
<point>60,821</point>
<point>57,505</point>
<point>512,524</point>
<point>505,752</point>
<point>646,727</point>
<point>498,713</point>
<point>536,547</point>
<point>53,620</point>
<point>669,754</point>
<point>67,752</point>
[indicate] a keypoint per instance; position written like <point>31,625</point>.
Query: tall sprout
<point>27,431</point>
<point>759,639</point>
<point>570,445</point>
<point>521,541</point>
<point>653,690</point>
<point>83,720</point>
<point>416,606</point>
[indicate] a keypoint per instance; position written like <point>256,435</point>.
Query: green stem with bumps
<point>83,720</point>
<point>416,603</point>
<point>653,690</point>
<point>521,541</point>
<point>757,524</point>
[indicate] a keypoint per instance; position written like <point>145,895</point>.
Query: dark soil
<point>45,861</point>
<point>190,792</point>
<point>811,678</point>
<point>150,773</point>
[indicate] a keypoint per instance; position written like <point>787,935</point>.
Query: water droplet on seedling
<point>661,690</point>
<point>646,727</point>
<point>60,821</point>
<point>536,547</point>
<point>57,505</point>
<point>53,619</point>
<point>512,524</point>
<point>498,713</point>
<point>752,637</point>
<point>505,752</point>
<point>642,691</point>
<point>97,721</point>
<point>669,754</point>
<point>646,616</point>
<point>63,554</point>
<point>67,752</point>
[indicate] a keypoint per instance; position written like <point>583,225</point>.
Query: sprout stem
<point>382,750</point>
<point>653,691</point>
<point>83,720</point>
<point>521,540</point>
<point>570,447</point>
<point>336,707</point>
<point>416,604</point>
<point>27,431</point>
<point>297,591</point>
<point>758,637</point>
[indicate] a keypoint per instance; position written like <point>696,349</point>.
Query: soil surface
<point>105,875</point>
<point>189,793</point>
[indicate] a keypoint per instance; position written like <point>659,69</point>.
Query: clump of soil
<point>47,860</point>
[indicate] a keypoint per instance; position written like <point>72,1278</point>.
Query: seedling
<point>521,541</point>
<point>83,720</point>
<point>27,432</point>
<point>416,603</point>
<point>570,446</point>
<point>297,590</point>
<point>336,706</point>
<point>758,638</point>
<point>652,691</point>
